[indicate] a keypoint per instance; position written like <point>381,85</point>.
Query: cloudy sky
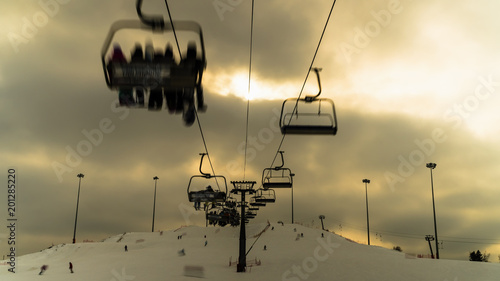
<point>413,82</point>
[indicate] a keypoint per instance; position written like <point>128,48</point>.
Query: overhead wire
<point>307,76</point>
<point>451,239</point>
<point>173,29</point>
<point>396,234</point>
<point>249,84</point>
<point>195,111</point>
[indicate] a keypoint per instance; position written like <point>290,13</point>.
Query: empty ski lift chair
<point>306,116</point>
<point>265,196</point>
<point>277,177</point>
<point>254,203</point>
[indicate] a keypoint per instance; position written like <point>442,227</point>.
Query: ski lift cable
<point>173,29</point>
<point>195,111</point>
<point>307,76</point>
<point>205,145</point>
<point>249,83</point>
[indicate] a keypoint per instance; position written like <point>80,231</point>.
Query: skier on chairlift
<point>125,95</point>
<point>190,61</point>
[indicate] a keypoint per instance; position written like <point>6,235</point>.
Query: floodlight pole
<point>80,176</point>
<point>321,217</point>
<point>291,177</point>
<point>432,166</point>
<point>367,181</point>
<point>154,205</point>
<point>430,238</point>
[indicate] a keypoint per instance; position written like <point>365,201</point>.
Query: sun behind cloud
<point>236,83</point>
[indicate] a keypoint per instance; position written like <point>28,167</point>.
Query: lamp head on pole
<point>80,175</point>
<point>156,178</point>
<point>366,180</point>
<point>431,165</point>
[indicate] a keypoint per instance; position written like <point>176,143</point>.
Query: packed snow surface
<point>281,252</point>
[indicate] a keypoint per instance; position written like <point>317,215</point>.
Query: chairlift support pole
<point>242,187</point>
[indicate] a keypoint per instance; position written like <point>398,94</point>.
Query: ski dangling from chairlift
<point>277,177</point>
<point>306,116</point>
<point>156,72</point>
<point>200,188</point>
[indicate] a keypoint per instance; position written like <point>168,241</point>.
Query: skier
<point>70,267</point>
<point>43,269</point>
<point>181,253</point>
<point>126,248</point>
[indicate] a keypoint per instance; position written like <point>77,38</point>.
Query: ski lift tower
<point>242,187</point>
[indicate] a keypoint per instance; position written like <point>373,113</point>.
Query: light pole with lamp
<point>432,166</point>
<point>80,176</point>
<point>154,205</point>
<point>366,182</point>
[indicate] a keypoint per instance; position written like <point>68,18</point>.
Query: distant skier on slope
<point>43,269</point>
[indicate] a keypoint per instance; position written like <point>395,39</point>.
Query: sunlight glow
<point>237,84</point>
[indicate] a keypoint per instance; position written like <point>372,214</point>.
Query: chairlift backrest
<point>169,76</point>
<point>209,194</point>
<point>308,121</point>
<point>277,178</point>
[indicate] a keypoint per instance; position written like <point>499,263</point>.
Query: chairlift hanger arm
<point>311,98</point>
<point>201,163</point>
<point>282,161</point>
<point>156,22</point>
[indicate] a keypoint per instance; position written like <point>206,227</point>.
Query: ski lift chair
<point>149,73</point>
<point>208,195</point>
<point>277,177</point>
<point>300,116</point>
<point>265,196</point>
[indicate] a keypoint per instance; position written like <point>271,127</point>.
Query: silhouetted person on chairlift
<point>195,65</point>
<point>138,57</point>
<point>156,92</point>
<point>173,96</point>
<point>125,94</point>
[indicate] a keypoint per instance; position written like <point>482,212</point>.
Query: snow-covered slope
<point>288,256</point>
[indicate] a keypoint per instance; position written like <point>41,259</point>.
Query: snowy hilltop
<point>276,252</point>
